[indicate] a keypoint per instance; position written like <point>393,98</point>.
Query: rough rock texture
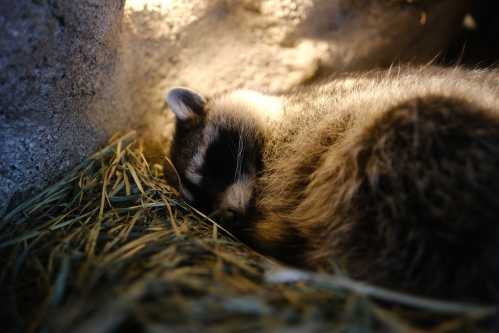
<point>56,61</point>
<point>72,72</point>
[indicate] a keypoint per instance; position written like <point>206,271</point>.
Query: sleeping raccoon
<point>392,175</point>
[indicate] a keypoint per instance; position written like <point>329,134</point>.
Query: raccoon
<point>391,175</point>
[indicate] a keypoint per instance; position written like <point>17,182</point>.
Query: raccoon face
<point>216,154</point>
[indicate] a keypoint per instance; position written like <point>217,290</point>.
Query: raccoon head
<point>216,149</point>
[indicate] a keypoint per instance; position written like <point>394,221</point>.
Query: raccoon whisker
<point>239,158</point>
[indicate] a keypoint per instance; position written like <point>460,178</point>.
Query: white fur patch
<point>194,176</point>
<point>263,106</point>
<point>187,194</point>
<point>238,195</point>
<point>192,171</point>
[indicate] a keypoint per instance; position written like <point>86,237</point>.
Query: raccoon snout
<point>236,198</point>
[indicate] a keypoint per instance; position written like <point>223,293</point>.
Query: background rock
<point>73,72</point>
<point>57,59</point>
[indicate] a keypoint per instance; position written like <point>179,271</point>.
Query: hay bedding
<point>112,248</point>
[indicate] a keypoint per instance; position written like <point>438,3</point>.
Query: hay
<point>112,248</point>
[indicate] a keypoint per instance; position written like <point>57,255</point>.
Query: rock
<point>377,33</point>
<point>57,61</point>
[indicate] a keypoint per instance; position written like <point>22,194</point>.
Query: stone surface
<point>72,72</point>
<point>56,61</point>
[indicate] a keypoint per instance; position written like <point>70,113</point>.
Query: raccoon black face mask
<point>394,176</point>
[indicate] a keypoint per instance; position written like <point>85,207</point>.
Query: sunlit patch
<point>260,105</point>
<point>161,6</point>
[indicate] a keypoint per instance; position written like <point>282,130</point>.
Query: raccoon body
<point>392,175</point>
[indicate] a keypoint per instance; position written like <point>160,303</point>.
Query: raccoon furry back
<point>393,176</point>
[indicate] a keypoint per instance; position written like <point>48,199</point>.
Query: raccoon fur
<point>392,175</point>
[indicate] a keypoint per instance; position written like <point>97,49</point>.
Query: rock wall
<point>57,60</point>
<point>73,72</point>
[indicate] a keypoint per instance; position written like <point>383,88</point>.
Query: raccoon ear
<point>185,103</point>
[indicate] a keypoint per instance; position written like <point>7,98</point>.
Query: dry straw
<point>112,248</point>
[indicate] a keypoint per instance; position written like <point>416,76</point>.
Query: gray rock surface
<point>73,72</point>
<point>56,61</point>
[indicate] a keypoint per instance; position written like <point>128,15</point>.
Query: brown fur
<point>392,175</point>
